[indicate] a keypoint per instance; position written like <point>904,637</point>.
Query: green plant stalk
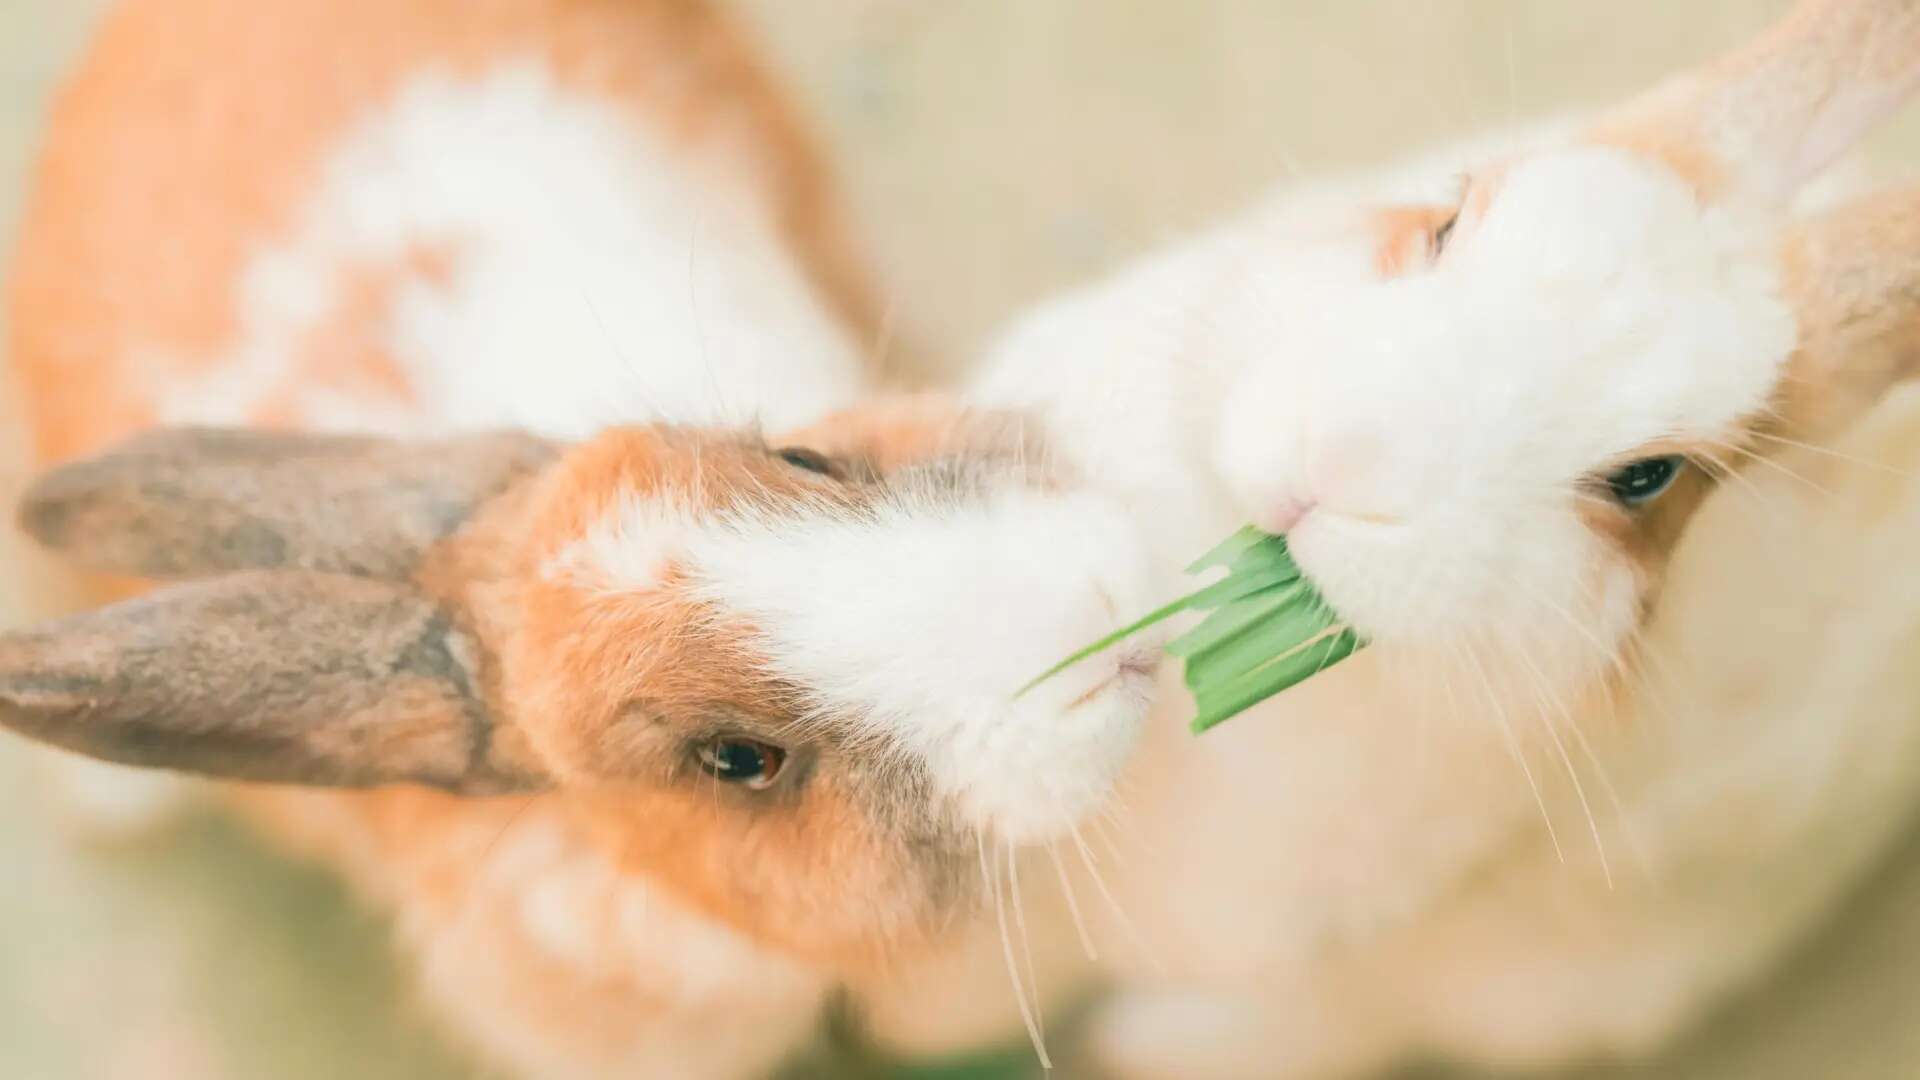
<point>1266,629</point>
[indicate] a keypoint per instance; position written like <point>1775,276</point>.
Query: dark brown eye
<point>1642,481</point>
<point>801,458</point>
<point>753,765</point>
<point>1444,233</point>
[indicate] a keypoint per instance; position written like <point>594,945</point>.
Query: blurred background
<point>995,150</point>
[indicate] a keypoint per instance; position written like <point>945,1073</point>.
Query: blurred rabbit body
<point>424,218</point>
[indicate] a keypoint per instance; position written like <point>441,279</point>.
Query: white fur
<point>1443,422</point>
<point>630,550</point>
<point>970,600</point>
<point>598,276</point>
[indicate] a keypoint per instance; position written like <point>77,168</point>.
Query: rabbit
<point>420,350</point>
<point>1557,809</point>
<point>1100,448</point>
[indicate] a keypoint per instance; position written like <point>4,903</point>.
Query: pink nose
<point>1282,517</point>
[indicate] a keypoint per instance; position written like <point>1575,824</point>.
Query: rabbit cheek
<point>825,873</point>
<point>1642,541</point>
<point>831,862</point>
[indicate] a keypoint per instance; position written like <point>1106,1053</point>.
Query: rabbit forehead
<point>1598,295</point>
<point>1594,308</point>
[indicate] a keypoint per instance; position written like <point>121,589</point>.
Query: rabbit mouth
<point>1136,667</point>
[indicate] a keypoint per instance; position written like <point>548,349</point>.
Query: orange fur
<point>344,351</point>
<point>1404,236</point>
<point>1682,153</point>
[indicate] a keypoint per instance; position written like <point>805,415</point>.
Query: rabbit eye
<point>1444,233</point>
<point>1642,481</point>
<point>1438,245</point>
<point>753,765</point>
<point>801,458</point>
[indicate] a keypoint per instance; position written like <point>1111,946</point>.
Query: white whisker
<point>1006,947</point>
<point>1026,942</point>
<point>1615,659</point>
<point>1073,902</point>
<point>1119,914</point>
<point>1762,459</point>
<point>1566,759</point>
<point>1518,751</point>
<point>1827,451</point>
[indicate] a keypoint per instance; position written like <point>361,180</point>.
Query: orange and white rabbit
<point>481,601</point>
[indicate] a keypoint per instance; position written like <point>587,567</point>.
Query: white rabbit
<point>1526,824</point>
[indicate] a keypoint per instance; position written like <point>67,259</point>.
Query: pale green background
<point>996,149</point>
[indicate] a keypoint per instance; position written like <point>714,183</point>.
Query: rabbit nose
<point>1281,517</point>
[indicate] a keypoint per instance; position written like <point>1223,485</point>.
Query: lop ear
<point>1762,121</point>
<point>195,501</point>
<point>1853,277</point>
<point>286,676</point>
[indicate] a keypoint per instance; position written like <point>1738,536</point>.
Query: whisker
<point>1026,940</point>
<point>1566,759</point>
<point>1827,451</point>
<point>1073,902</point>
<point>1519,753</point>
<point>1757,497</point>
<point>512,820</point>
<point>992,879</point>
<point>1617,663</point>
<point>1119,914</point>
<point>1770,463</point>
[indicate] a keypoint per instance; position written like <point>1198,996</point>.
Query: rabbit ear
<point>286,677</point>
<point>1853,276</point>
<point>193,501</point>
<point>1762,121</point>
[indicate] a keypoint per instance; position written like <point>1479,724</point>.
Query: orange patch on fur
<point>1404,236</point>
<point>1679,152</point>
<point>344,352</point>
<point>619,713</point>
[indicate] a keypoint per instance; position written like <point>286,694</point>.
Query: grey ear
<point>288,677</point>
<point>196,501</point>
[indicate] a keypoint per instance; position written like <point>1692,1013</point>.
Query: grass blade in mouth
<point>1266,629</point>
